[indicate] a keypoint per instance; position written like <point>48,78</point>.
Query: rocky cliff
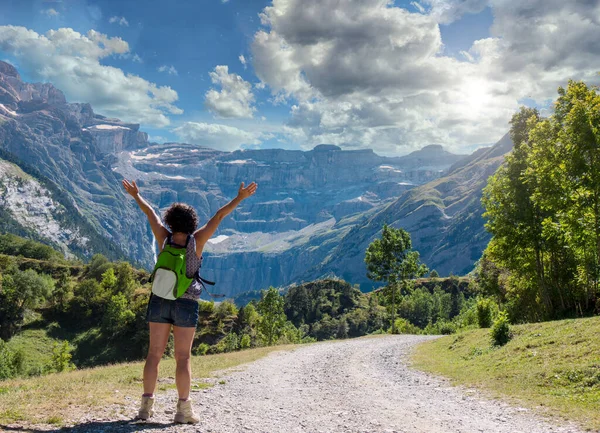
<point>65,144</point>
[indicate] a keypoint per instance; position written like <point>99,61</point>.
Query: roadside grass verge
<point>552,367</point>
<point>59,398</point>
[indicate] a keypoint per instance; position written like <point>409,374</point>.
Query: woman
<point>182,314</point>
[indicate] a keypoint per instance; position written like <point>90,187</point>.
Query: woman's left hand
<point>246,192</point>
<point>131,188</point>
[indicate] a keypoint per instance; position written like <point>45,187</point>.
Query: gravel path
<point>361,385</point>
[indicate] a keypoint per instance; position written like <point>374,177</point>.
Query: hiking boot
<point>185,414</point>
<point>146,411</point>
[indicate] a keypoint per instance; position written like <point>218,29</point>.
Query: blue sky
<point>282,96</point>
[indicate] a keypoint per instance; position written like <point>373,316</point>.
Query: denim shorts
<point>180,312</point>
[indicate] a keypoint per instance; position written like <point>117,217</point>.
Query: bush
<point>501,333</point>
<point>206,308</point>
<point>403,326</point>
<point>447,328</point>
<point>484,313</point>
<point>61,358</point>
<point>202,349</point>
<point>226,309</point>
<point>11,362</point>
<point>230,343</point>
<point>245,341</point>
<point>290,334</point>
<point>117,315</point>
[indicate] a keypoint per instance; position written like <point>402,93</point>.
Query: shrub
<point>447,328</point>
<point>202,349</point>
<point>403,326</point>
<point>117,315</point>
<point>290,334</point>
<point>11,362</point>
<point>207,307</point>
<point>230,342</point>
<point>61,358</point>
<point>484,313</point>
<point>501,333</point>
<point>245,341</point>
<point>226,309</point>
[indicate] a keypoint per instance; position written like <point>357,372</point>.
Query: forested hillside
<point>58,314</point>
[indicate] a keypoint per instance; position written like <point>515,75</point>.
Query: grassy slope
<point>553,367</point>
<point>37,346</point>
<point>58,398</point>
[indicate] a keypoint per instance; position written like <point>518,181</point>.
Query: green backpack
<point>168,278</point>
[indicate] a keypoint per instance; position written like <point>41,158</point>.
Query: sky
<point>389,75</point>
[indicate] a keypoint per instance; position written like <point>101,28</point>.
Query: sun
<point>476,97</point>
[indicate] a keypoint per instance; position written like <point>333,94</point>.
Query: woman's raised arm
<point>203,234</point>
<point>158,229</point>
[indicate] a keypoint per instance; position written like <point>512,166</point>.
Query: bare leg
<point>184,338</point>
<point>159,336</point>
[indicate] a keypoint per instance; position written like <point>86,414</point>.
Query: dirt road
<point>362,385</point>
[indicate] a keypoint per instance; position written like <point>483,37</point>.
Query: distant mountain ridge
<point>300,225</point>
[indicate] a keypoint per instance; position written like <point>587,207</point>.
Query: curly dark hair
<point>181,218</point>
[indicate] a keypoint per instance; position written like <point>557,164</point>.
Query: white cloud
<point>168,69</point>
<point>119,20</point>
<point>418,6</point>
<point>447,11</point>
<point>137,59</point>
<point>216,136</point>
<point>51,12</point>
<point>235,98</point>
<point>71,61</point>
<point>243,61</point>
<point>366,73</point>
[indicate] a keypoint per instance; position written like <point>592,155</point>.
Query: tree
<point>97,266</point>
<point>21,291</point>
<point>117,315</point>
<point>272,320</point>
<point>390,259</point>
<point>434,274</point>
<point>125,279</point>
<point>248,317</point>
<point>61,358</point>
<point>62,290</point>
<point>543,210</point>
<point>109,281</point>
<point>514,219</point>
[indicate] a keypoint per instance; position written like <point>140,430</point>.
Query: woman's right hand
<point>131,188</point>
<point>244,193</point>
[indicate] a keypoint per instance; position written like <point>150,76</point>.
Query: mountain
<point>444,218</point>
<point>64,142</point>
<point>313,213</point>
<point>32,206</point>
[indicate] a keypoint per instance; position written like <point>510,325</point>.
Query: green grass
<point>553,367</point>
<point>58,398</point>
<point>37,347</point>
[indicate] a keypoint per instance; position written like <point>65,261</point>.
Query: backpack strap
<point>203,283</point>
